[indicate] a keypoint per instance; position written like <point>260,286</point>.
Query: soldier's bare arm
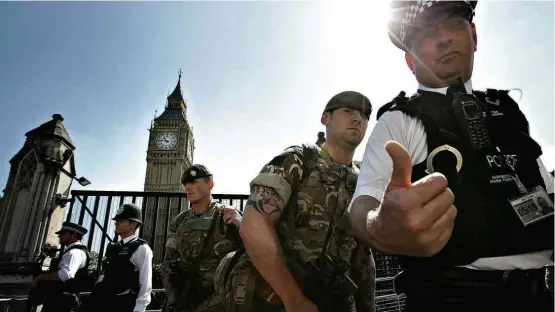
<point>270,192</point>
<point>262,210</point>
<point>363,272</point>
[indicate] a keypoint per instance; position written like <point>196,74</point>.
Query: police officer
<point>60,289</point>
<point>299,254</point>
<point>198,239</point>
<point>489,248</point>
<point>126,281</point>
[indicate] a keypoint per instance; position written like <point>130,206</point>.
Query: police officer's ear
<point>325,120</point>
<point>410,61</point>
<point>474,36</point>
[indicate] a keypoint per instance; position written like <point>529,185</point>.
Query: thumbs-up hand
<point>414,219</point>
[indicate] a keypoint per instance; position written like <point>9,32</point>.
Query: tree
<point>357,163</point>
<point>93,261</point>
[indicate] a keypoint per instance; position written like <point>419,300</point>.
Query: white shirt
<point>142,259</point>
<point>409,132</point>
<point>71,262</point>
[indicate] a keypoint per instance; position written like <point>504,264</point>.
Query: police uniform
<point>480,141</point>
<point>62,295</point>
<point>332,269</point>
<point>126,281</point>
<point>195,246</point>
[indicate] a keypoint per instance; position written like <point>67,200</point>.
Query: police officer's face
<point>65,238</point>
<point>124,227</point>
<point>198,189</point>
<point>347,126</point>
<point>442,50</point>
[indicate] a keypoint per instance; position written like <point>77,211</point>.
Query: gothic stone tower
<point>41,170</point>
<point>170,152</point>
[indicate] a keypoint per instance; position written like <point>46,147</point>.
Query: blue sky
<point>256,75</point>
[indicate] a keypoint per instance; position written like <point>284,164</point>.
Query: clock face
<point>166,140</point>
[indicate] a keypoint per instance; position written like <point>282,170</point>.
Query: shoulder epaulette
<point>400,99</point>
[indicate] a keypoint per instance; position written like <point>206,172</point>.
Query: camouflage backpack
<point>237,293</point>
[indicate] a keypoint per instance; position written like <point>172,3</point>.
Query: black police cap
<point>73,228</point>
<point>129,212</point>
<point>350,99</point>
<point>405,13</point>
<point>194,172</point>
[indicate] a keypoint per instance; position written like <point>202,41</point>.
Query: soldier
<point>477,143</point>
<point>198,239</point>
<point>60,289</point>
<point>300,255</point>
<point>126,282</point>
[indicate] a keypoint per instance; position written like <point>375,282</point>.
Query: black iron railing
<point>95,209</point>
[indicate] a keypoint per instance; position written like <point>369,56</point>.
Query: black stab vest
<point>73,285</point>
<point>119,272</point>
<point>486,224</point>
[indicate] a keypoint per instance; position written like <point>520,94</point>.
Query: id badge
<point>532,206</point>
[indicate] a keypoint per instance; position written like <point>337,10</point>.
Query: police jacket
<point>120,274</point>
<point>75,285</point>
<point>482,180</point>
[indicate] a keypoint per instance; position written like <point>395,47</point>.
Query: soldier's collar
<point>325,154</point>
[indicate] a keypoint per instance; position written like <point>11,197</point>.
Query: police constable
<point>491,249</point>
<point>198,239</point>
<point>299,254</point>
<point>60,289</point>
<point>126,282</point>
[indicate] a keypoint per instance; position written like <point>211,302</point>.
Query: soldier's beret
<point>350,99</point>
<point>72,227</point>
<point>405,14</point>
<point>194,172</point>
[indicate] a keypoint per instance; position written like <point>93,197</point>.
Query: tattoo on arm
<point>265,200</point>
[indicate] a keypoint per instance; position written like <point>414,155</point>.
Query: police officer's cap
<point>405,14</point>
<point>129,212</point>
<point>72,228</point>
<point>195,172</point>
<point>350,99</point>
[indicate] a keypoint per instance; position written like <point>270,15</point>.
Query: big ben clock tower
<point>170,152</point>
<point>170,146</point>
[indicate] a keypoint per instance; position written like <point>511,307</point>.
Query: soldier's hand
<point>231,215</point>
<point>414,219</point>
<point>303,305</point>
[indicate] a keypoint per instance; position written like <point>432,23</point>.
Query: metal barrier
<point>94,210</point>
<point>386,303</point>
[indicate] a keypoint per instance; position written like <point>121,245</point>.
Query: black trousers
<point>460,289</point>
<point>101,302</point>
<point>65,302</point>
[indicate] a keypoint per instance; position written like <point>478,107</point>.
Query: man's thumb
<point>402,165</point>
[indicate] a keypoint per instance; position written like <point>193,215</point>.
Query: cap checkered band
<point>413,12</point>
<point>69,228</point>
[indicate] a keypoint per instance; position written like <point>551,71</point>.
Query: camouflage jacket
<point>318,199</point>
<point>186,237</point>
